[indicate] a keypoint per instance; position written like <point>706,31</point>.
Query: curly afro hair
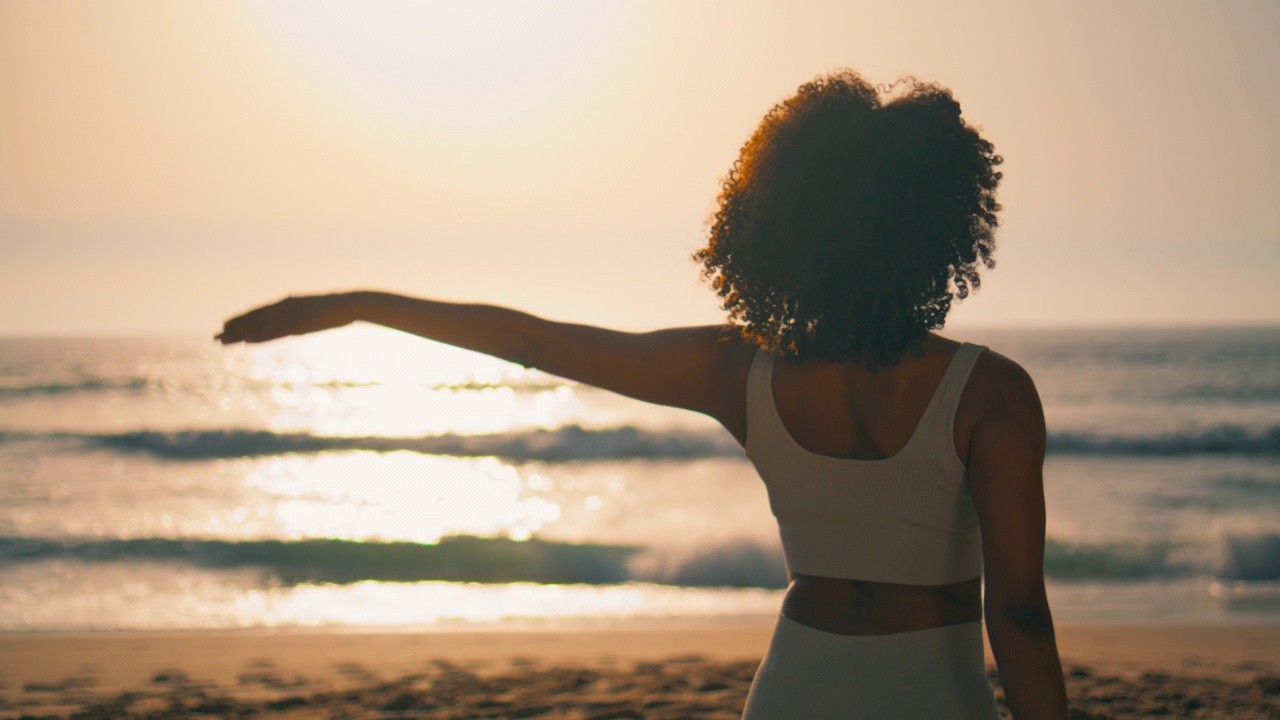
<point>848,225</point>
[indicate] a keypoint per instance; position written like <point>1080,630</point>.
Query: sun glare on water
<point>399,496</point>
<point>365,381</point>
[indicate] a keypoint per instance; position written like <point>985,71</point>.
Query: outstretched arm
<point>692,368</point>
<point>1006,458</point>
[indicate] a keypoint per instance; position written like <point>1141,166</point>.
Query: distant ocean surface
<point>363,477</point>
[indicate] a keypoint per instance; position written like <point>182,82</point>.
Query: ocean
<point>365,478</point>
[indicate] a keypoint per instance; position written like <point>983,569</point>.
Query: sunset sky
<point>165,164</point>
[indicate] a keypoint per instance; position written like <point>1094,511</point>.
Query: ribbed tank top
<point>905,519</point>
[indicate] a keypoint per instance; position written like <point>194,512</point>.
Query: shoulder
<point>998,381</point>
<point>1001,397</point>
<point>720,346</point>
<point>726,358</point>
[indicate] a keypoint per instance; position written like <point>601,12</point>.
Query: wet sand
<point>659,672</point>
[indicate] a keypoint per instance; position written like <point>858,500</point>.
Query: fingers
<point>237,331</point>
<point>255,326</point>
<point>291,316</point>
<point>230,334</point>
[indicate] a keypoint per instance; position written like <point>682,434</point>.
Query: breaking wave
<point>574,442</point>
<point>735,563</point>
<point>1244,556</point>
<point>464,558</point>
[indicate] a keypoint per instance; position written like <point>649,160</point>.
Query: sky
<point>166,164</point>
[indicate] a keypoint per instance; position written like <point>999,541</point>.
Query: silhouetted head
<point>851,220</point>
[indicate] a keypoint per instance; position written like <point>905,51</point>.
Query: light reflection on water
<point>399,496</point>
<point>363,381</point>
<point>380,603</point>
<point>143,596</point>
<point>412,411</point>
<point>363,354</point>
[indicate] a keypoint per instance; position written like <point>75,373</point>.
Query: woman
<point>903,467</point>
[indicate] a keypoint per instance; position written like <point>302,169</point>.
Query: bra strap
<point>942,409</point>
<point>759,393</point>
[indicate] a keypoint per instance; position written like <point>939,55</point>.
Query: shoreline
<point>325,672</point>
<point>1218,649</point>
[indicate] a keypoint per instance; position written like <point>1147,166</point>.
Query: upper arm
<point>696,368</point>
<point>1006,460</point>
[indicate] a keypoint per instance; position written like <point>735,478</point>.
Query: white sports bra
<point>906,519</point>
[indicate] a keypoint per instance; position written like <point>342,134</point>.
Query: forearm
<point>501,332</point>
<point>681,367</point>
<point>1026,653</point>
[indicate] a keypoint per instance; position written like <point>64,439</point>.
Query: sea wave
<point>463,558</point>
<point>1064,560</point>
<point>733,563</point>
<point>144,384</point>
<point>1249,557</point>
<point>1220,439</point>
<point>1243,393</point>
<point>1232,556</point>
<point>563,444</point>
<point>574,442</point>
<point>44,389</point>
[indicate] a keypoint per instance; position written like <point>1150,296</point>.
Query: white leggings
<point>808,674</point>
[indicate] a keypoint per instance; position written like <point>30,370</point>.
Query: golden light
<point>472,65</point>
<point>397,497</point>
<point>364,380</point>
<point>440,604</point>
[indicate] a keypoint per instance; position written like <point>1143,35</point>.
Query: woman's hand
<point>291,316</point>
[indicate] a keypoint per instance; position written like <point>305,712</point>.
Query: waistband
<point>958,631</point>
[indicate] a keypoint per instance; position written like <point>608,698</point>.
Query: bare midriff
<point>862,607</point>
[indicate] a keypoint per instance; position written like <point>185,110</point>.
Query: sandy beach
<point>659,671</point>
